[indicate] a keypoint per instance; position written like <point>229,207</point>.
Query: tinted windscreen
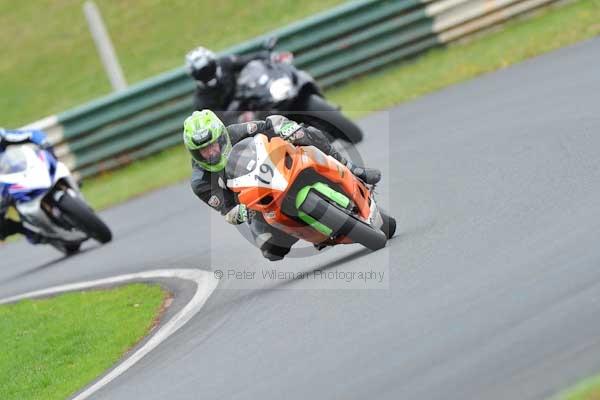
<point>13,160</point>
<point>242,159</point>
<point>253,74</point>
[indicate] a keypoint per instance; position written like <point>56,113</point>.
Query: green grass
<point>53,347</point>
<point>589,389</point>
<point>113,187</point>
<point>49,62</point>
<point>549,29</point>
<point>518,40</point>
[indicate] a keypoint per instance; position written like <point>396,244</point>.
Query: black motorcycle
<point>275,86</point>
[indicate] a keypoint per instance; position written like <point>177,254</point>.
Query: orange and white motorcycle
<point>306,193</point>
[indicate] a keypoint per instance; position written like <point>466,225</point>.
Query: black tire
<point>84,218</point>
<point>72,248</point>
<point>68,249</point>
<point>342,223</point>
<point>348,151</point>
<point>389,224</point>
<point>325,116</point>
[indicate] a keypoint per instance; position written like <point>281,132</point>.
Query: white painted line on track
<point>205,285</point>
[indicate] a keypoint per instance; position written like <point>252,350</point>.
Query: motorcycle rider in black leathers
<point>9,226</point>
<point>209,142</point>
<point>216,79</point>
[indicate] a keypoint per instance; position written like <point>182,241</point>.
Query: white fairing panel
<point>61,172</point>
<point>35,176</point>
<point>263,174</point>
<point>32,174</point>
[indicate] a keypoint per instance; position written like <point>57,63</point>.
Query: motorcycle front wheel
<point>84,218</point>
<point>68,249</point>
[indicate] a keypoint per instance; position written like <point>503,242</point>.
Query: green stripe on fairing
<point>325,191</point>
<point>316,225</point>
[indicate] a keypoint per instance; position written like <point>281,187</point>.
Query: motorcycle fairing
<point>290,168</point>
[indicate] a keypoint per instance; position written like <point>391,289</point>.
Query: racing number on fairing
<point>265,169</point>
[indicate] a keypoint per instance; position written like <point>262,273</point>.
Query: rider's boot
<point>34,237</point>
<point>10,227</point>
<point>368,175</point>
<point>274,253</point>
<point>312,136</point>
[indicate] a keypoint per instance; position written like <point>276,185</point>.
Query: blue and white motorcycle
<point>48,199</point>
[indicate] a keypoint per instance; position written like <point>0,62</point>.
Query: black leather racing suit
<point>211,187</point>
<point>218,93</point>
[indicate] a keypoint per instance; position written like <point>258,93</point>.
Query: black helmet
<point>201,64</point>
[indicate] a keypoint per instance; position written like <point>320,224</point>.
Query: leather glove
<point>284,127</point>
<point>237,215</point>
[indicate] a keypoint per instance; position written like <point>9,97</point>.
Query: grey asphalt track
<point>493,287</point>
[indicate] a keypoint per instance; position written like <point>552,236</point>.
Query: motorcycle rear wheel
<point>324,116</point>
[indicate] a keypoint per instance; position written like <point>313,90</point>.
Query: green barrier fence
<point>333,46</point>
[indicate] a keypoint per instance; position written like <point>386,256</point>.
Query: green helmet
<point>207,140</point>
